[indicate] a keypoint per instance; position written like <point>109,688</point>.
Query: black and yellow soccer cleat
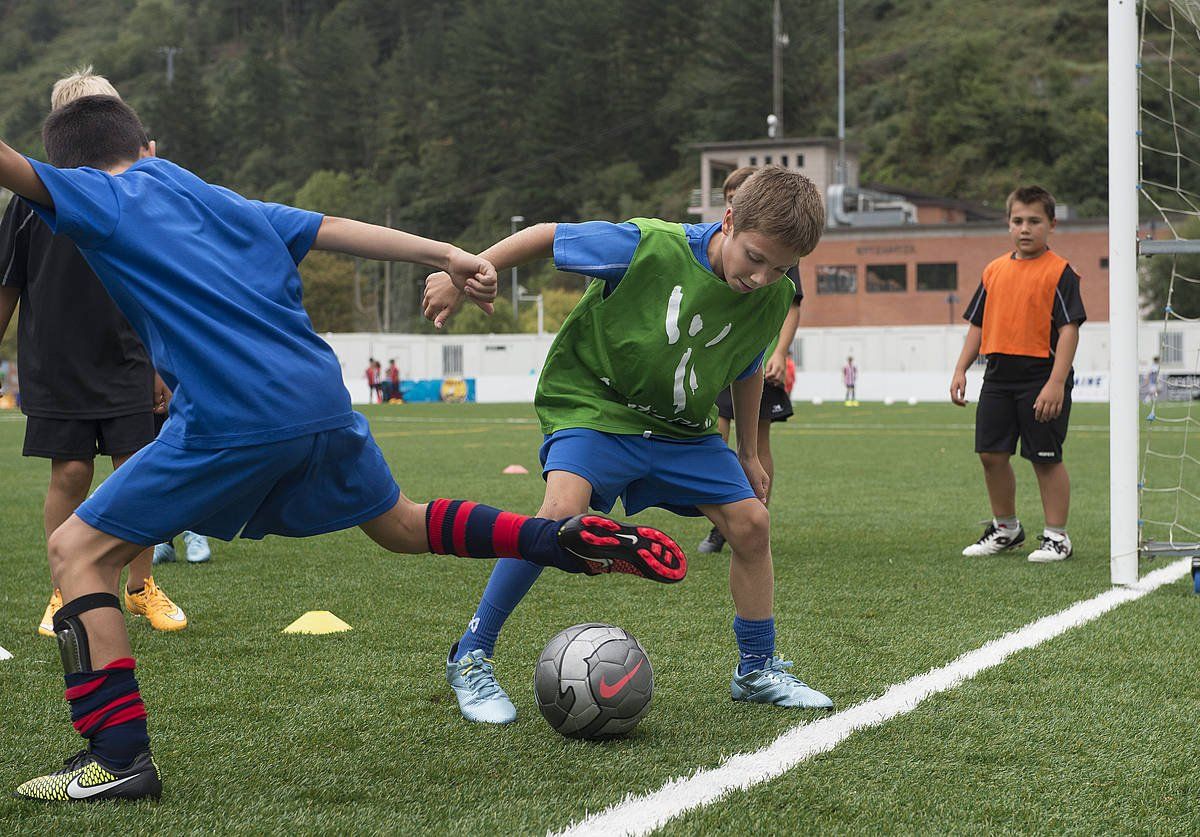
<point>84,778</point>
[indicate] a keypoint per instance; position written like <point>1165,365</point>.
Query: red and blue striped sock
<point>473,530</point>
<point>107,709</point>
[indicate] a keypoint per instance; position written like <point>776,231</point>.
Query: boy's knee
<point>749,527</point>
<point>994,460</point>
<point>72,476</point>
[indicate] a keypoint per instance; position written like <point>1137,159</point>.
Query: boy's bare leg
<point>723,425</point>
<point>401,528</point>
<point>1001,484</point>
<point>86,560</point>
<point>566,495</point>
<point>746,524</point>
<point>1055,486</point>
<point>70,481</point>
<point>761,676</point>
<point>141,567</point>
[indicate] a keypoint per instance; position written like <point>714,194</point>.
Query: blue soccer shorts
<point>298,487</point>
<point>672,474</point>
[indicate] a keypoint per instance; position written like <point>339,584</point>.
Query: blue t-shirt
<point>604,250</point>
<point>209,281</point>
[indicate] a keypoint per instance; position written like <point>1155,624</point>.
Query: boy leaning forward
<point>627,396</point>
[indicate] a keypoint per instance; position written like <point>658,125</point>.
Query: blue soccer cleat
<point>775,685</point>
<point>164,553</point>
<point>480,698</point>
<point>198,550</point>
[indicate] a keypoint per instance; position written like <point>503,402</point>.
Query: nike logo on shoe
<point>607,691</point>
<point>78,791</point>
<point>633,539</point>
<point>176,615</point>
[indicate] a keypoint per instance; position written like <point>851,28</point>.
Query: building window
<point>837,279</point>
<point>887,278</point>
<point>1104,263</point>
<point>1171,348</point>
<point>767,160</point>
<point>452,361</point>
<point>783,160</point>
<point>754,161</point>
<point>799,161</point>
<point>937,276</point>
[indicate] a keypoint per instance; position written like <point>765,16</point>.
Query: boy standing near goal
<point>193,266</point>
<point>1025,318</point>
<point>89,386</point>
<point>776,404</point>
<point>627,403</point>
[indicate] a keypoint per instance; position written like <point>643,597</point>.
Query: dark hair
<point>1030,195</point>
<point>96,131</point>
<point>736,178</point>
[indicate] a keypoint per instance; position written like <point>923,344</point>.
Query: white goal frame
<point>1123,203</point>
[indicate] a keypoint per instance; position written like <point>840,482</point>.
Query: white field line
<point>4,655</point>
<point>642,814</point>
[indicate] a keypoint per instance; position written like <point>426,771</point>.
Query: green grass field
<point>260,732</point>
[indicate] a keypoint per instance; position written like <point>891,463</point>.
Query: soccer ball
<point>593,681</point>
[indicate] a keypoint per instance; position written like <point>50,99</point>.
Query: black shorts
<point>85,438</point>
<point>1005,413</point>
<point>775,404</point>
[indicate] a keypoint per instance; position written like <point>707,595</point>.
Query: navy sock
<point>107,709</point>
<point>756,642</point>
<point>473,530</point>
<point>509,583</point>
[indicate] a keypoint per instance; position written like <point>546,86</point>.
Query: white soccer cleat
<point>995,540</point>
<point>1052,549</point>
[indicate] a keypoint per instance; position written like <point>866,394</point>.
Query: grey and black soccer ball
<point>593,681</point>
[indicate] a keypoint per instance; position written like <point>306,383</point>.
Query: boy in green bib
<point>627,400</point>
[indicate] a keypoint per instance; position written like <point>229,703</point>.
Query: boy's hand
<point>757,475</point>
<point>442,299</point>
<point>473,275</point>
<point>162,395</point>
<point>775,370</point>
<point>1049,403</point>
<point>958,389</point>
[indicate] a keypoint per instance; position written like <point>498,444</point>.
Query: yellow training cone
<point>317,622</point>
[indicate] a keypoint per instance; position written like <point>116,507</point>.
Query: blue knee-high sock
<point>756,642</point>
<point>473,530</point>
<point>509,583</point>
<point>107,709</point>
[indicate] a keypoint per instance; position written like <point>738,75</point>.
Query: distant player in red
<point>850,380</point>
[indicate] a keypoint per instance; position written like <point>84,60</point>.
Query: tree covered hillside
<point>457,114</point>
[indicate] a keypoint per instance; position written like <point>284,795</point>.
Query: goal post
<point>1123,203</point>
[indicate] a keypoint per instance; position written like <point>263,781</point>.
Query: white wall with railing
<point>894,362</point>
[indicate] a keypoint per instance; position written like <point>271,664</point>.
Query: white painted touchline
<point>643,814</point>
<point>4,655</point>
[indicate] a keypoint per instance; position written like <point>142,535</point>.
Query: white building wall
<point>899,362</point>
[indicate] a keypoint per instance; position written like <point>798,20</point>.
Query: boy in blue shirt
<point>627,402</point>
<point>209,281</point>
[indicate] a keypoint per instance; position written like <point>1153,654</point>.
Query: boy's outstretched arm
<point>471,274</point>
<point>18,176</point>
<point>442,298</point>
<point>970,351</point>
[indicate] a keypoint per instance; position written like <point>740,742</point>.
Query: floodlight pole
<point>513,221</point>
<point>778,41</point>
<point>841,161</point>
<point>1123,201</point>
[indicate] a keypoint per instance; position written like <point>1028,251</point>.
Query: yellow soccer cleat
<point>155,605</point>
<point>84,778</point>
<point>46,626</point>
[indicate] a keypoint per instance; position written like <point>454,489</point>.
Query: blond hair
<point>783,205</point>
<point>82,82</point>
